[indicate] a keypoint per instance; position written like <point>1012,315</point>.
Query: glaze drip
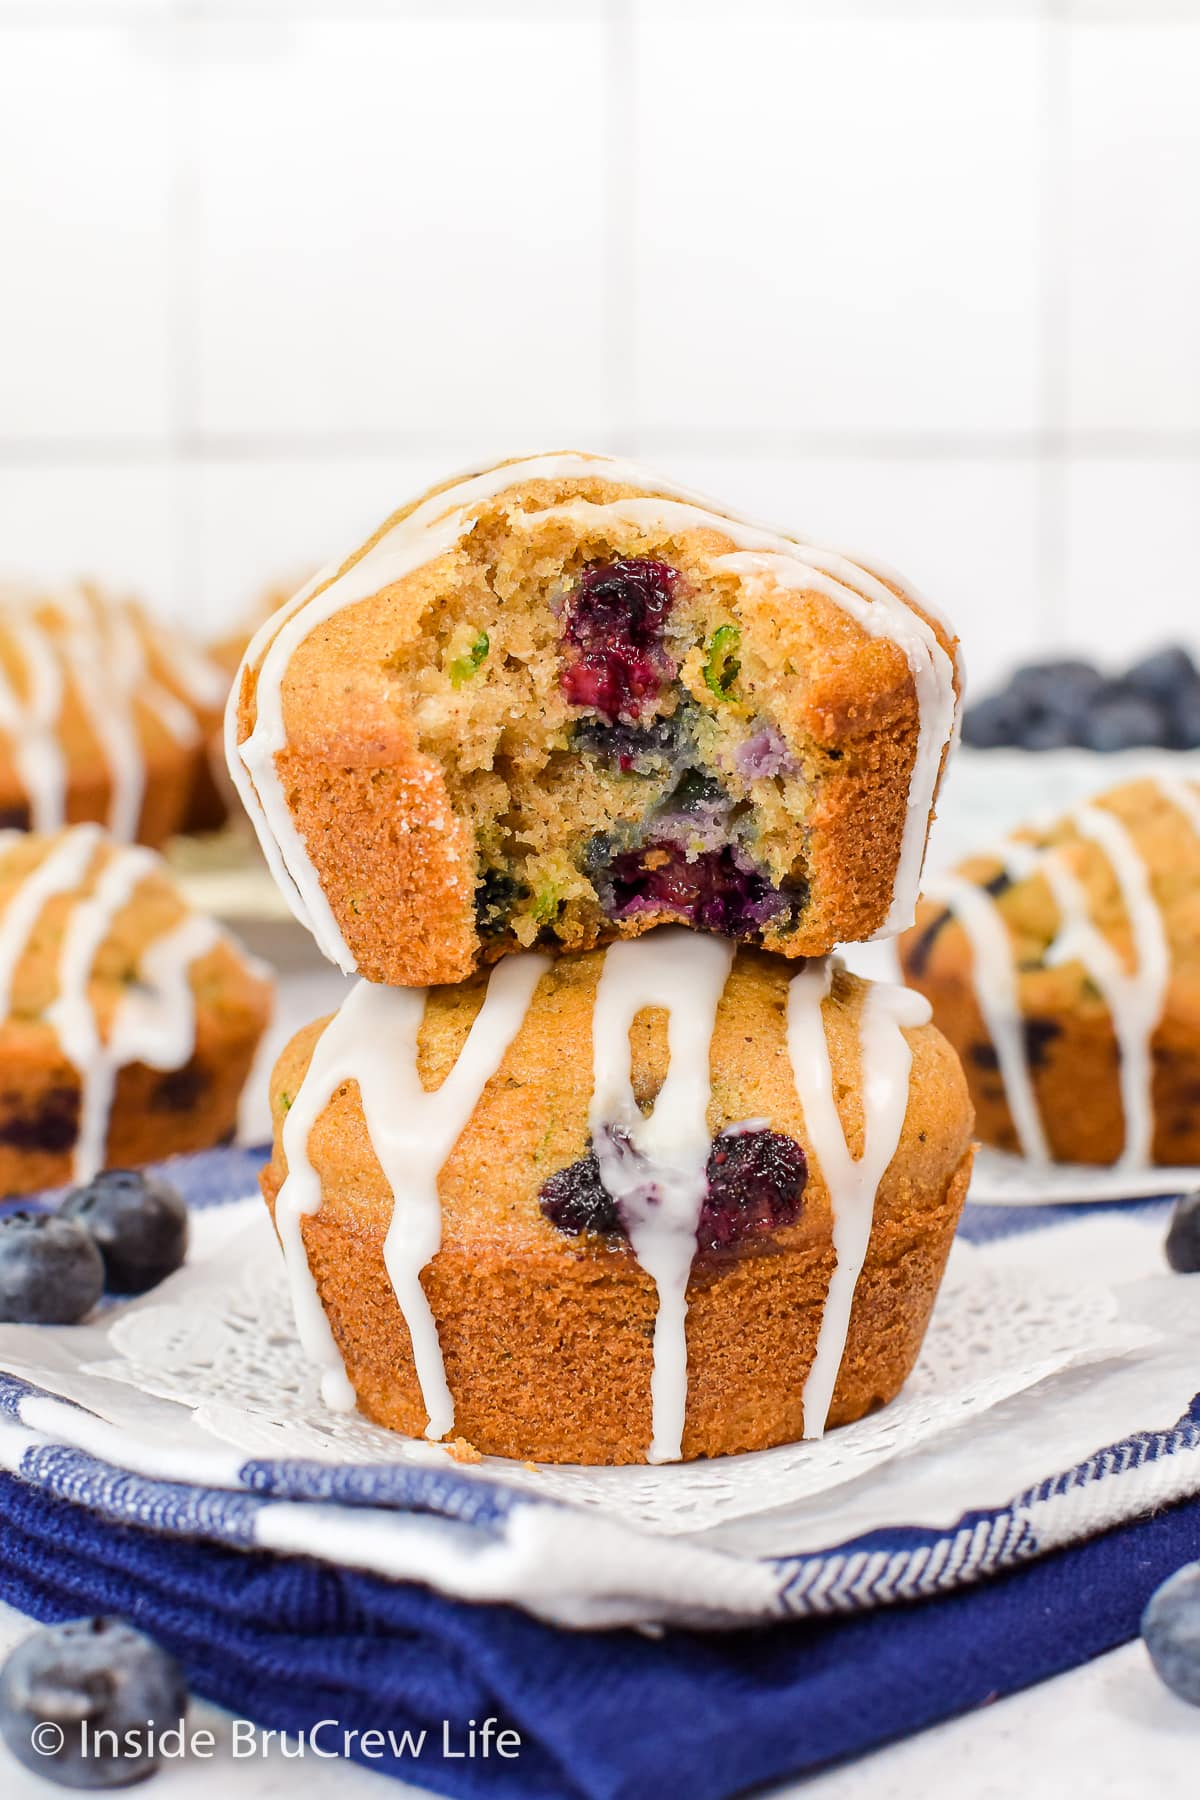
<point>655,1167</point>
<point>372,1040</point>
<point>852,1182</point>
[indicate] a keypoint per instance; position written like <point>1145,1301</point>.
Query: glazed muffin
<point>1064,966</point>
<point>659,1258</point>
<point>560,702</point>
<point>127,1022</point>
<point>101,715</point>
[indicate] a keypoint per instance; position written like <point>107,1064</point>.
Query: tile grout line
<point>194,446</point>
<point>1051,491</point>
<point>181,302</point>
<point>620,195</point>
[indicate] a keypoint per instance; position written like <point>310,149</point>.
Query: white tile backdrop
<point>919,275</point>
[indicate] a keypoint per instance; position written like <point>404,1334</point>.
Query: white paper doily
<point>223,1345</point>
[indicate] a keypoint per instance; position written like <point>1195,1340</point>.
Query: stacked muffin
<point>604,1159</point>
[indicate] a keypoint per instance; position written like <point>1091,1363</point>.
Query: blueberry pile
<point>65,1683</point>
<point>1050,705</point>
<point>125,1231</point>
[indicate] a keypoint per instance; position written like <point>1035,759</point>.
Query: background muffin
<point>127,1022</point>
<point>103,715</point>
<point>1065,969</point>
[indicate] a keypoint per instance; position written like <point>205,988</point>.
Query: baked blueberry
<point>496,894</point>
<point>51,1272</point>
<point>658,745</point>
<point>718,890</point>
<point>1183,1235</point>
<point>64,1684</point>
<point>613,624</point>
<point>575,1199</point>
<point>139,1224</point>
<point>1171,1632</point>
<point>756,1183</point>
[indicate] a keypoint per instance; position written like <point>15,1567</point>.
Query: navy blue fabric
<point>982,1223</point>
<point>602,1716</point>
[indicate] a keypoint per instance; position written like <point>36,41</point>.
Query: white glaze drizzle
<point>995,976</point>
<point>655,1166</point>
<point>31,724</point>
<point>154,1025</point>
<point>852,1183</point>
<point>436,526</point>
<point>60,872</point>
<point>372,1040</point>
<point>1184,797</point>
<point>1134,997</point>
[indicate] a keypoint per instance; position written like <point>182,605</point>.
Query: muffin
<point>100,716</point>
<point>678,1257</point>
<point>1064,967</point>
<point>127,1022</point>
<point>560,702</point>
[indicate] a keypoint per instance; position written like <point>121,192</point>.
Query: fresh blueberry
<point>65,1683</point>
<point>1046,683</point>
<point>1122,721</point>
<point>1047,731</point>
<point>51,1273</point>
<point>994,723</point>
<point>756,1183</point>
<point>1185,718</point>
<point>614,622</point>
<point>575,1199</point>
<point>1164,673</point>
<point>139,1224</point>
<point>1171,1631</point>
<point>1183,1235</point>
